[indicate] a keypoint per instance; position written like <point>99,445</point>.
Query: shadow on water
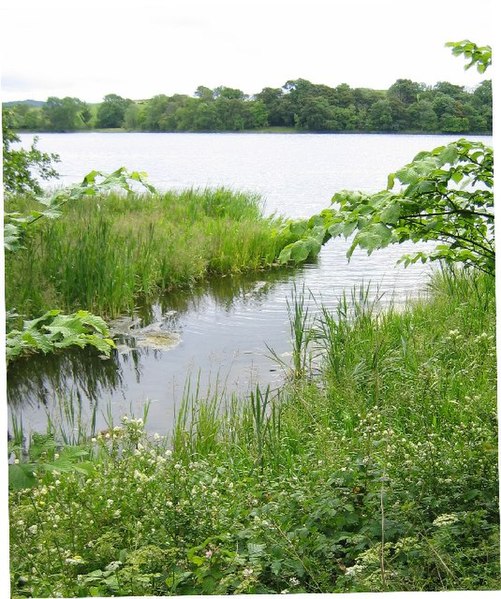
<point>34,381</point>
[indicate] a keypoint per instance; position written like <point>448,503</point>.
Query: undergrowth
<point>376,470</point>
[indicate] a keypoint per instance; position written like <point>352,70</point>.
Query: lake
<point>226,328</point>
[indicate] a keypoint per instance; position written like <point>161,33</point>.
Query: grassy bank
<point>374,468</point>
<point>105,253</point>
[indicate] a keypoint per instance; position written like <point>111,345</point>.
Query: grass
<point>376,471</point>
<point>105,254</point>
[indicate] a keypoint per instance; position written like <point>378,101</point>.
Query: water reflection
<point>81,372</point>
<point>81,375</point>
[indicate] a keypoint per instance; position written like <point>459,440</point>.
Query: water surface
<point>226,327</point>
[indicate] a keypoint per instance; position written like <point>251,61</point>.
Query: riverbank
<point>373,469</point>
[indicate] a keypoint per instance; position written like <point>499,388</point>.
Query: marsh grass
<point>378,474</point>
<point>106,253</point>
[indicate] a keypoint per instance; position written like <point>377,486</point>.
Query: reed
<point>105,254</point>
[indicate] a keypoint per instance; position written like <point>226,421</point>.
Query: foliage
<point>44,455</point>
<point>18,164</point>
<point>111,113</point>
<point>479,56</point>
<point>66,114</point>
<point>377,470</point>
<point>54,331</point>
<point>444,196</point>
<point>298,104</point>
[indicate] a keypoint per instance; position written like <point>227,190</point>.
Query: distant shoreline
<point>271,131</point>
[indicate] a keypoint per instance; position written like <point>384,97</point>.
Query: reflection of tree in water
<point>76,372</point>
<point>223,291</point>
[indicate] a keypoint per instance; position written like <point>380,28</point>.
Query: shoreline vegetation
<point>268,130</point>
<point>299,105</point>
<point>374,468</point>
<point>106,253</point>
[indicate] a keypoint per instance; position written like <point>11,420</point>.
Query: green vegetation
<point>374,467</point>
<point>19,164</point>
<point>444,196</point>
<point>407,106</point>
<point>108,251</point>
<point>55,331</point>
<point>374,470</point>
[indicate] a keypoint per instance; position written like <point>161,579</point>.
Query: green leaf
<point>391,213</point>
<point>21,476</point>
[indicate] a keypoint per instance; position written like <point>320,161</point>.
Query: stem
<point>381,557</point>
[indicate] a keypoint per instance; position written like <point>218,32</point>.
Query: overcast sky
<point>137,49</point>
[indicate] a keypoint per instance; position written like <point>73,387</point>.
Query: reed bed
<point>105,253</point>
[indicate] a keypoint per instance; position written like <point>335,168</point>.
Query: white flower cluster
<point>445,520</point>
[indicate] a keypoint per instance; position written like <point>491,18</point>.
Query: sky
<point>141,48</point>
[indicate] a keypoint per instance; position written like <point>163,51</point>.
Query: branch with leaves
<point>479,56</point>
<point>443,196</point>
<point>96,182</point>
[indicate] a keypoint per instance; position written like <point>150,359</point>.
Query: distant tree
<point>405,91</point>
<point>66,114</point>
<point>315,114</point>
<point>272,100</point>
<point>259,114</point>
<point>380,116</point>
<point>450,90</point>
<point>204,93</point>
<point>154,109</point>
<point>133,117</point>
<point>344,95</point>
<point>422,117</point>
<point>111,113</point>
<point>229,93</point>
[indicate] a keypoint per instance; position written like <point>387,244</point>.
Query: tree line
<point>299,105</point>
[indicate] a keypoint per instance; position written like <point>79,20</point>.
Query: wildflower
<point>208,553</point>
<point>445,520</point>
<point>354,570</point>
<point>248,572</point>
<point>294,581</point>
<point>33,529</point>
<point>75,560</point>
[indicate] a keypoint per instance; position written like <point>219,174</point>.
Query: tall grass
<point>105,253</point>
